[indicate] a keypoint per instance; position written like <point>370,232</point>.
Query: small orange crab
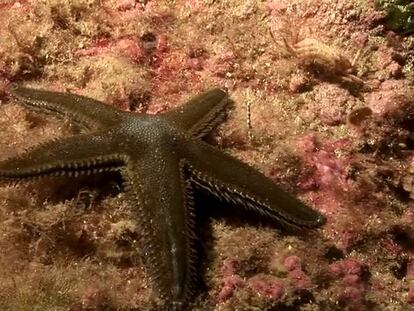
<point>311,50</point>
<point>330,58</point>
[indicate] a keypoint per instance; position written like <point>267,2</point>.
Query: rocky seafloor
<point>324,106</point>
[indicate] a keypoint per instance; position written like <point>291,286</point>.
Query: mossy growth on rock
<point>400,14</point>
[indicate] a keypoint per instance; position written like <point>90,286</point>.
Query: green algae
<point>400,14</point>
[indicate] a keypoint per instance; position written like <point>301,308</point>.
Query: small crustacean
<point>331,59</point>
<point>328,57</point>
<point>320,53</point>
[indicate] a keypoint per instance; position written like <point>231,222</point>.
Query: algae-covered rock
<point>400,15</point>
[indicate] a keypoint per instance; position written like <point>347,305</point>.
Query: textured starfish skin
<point>161,159</point>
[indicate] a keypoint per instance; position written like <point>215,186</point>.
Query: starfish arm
<point>84,111</point>
<point>201,114</point>
<point>229,179</point>
<point>80,155</point>
<point>164,202</point>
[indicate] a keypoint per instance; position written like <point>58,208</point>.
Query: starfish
<point>162,160</point>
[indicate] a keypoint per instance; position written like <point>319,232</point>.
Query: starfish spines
<point>85,111</point>
<point>64,157</point>
<point>243,197</point>
<point>222,173</point>
<point>201,114</point>
<point>162,162</point>
<point>61,169</point>
<point>148,240</point>
<point>190,226</point>
<point>216,117</point>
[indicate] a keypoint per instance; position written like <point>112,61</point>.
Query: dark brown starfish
<point>161,159</point>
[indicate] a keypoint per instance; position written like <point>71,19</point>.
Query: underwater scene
<point>210,155</point>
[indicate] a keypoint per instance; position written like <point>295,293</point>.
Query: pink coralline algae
<point>345,267</point>
<point>265,286</point>
<point>268,287</point>
<point>197,59</point>
<point>298,278</point>
<point>329,171</point>
<point>228,286</point>
<point>230,281</point>
<point>130,48</point>
<point>292,263</point>
<point>329,187</point>
<point>352,297</point>
<point>351,285</point>
<point>390,61</point>
<point>223,65</point>
<point>394,99</point>
<point>13,4</point>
